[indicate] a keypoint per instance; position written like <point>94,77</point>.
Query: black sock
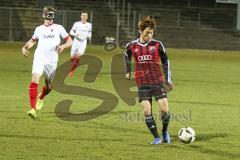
<point>165,120</point>
<point>151,124</point>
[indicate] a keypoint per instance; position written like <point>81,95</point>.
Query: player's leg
<point>49,73</point>
<point>77,51</point>
<point>75,61</point>
<point>165,116</point>
<point>46,89</point>
<point>161,97</point>
<point>33,87</point>
<point>145,98</point>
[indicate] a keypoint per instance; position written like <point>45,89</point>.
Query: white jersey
<point>83,31</point>
<point>49,37</point>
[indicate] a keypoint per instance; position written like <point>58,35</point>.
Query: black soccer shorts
<point>146,92</point>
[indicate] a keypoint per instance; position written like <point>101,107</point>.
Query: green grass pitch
<point>206,97</point>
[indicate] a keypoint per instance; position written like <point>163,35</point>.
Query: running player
<point>48,36</point>
<point>81,30</point>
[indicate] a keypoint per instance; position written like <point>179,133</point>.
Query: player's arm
<point>166,65</point>
<point>27,46</point>
<point>68,43</point>
<point>90,32</point>
<point>127,62</point>
<point>67,39</point>
<point>73,30</point>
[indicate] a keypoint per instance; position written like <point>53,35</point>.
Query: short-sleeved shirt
<point>49,38</point>
<point>83,30</point>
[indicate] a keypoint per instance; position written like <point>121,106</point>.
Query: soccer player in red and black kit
<point>148,54</point>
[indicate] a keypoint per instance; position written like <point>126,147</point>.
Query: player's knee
<point>146,108</point>
<point>49,88</point>
<point>164,110</point>
<point>147,112</point>
<point>35,78</point>
<point>163,104</point>
<point>77,56</point>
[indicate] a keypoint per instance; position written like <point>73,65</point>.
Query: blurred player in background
<point>148,55</point>
<point>81,30</point>
<point>48,35</point>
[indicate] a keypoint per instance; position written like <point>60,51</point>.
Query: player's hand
<point>60,48</point>
<point>78,37</point>
<point>170,86</point>
<point>128,76</point>
<point>25,52</point>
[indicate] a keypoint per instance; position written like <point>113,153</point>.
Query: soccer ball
<point>186,135</point>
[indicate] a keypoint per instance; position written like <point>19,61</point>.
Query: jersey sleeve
<point>63,34</point>
<point>90,32</point>
<point>73,30</point>
<point>128,59</point>
<point>165,63</point>
<point>35,35</point>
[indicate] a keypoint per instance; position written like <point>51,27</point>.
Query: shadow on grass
<point>197,148</point>
<point>118,129</point>
<point>199,138</point>
<point>204,103</point>
<point>207,82</point>
<point>213,152</point>
<point>79,139</point>
<point>207,137</point>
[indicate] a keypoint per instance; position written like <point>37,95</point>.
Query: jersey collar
<point>48,25</point>
<point>83,22</point>
<point>141,44</point>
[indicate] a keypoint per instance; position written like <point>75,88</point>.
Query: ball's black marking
<point>188,131</point>
<point>181,132</point>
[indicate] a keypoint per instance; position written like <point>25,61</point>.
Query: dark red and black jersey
<point>147,59</point>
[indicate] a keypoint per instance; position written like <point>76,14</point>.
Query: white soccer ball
<point>186,135</point>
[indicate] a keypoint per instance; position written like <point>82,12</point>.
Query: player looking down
<point>148,54</point>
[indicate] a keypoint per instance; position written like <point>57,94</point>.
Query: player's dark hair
<point>83,11</point>
<point>147,21</point>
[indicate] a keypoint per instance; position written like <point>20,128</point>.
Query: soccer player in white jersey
<point>48,36</point>
<point>81,30</point>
